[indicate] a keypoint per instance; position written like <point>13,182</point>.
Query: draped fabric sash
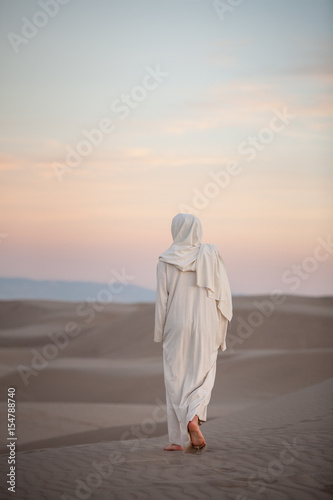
<point>188,253</point>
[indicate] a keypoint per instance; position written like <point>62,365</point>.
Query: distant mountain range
<point>73,291</point>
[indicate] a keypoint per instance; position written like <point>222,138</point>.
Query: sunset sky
<point>182,93</point>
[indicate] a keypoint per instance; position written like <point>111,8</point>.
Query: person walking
<point>192,311</point>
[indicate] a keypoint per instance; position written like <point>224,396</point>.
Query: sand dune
<point>96,391</point>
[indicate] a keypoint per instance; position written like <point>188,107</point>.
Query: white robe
<point>192,329</point>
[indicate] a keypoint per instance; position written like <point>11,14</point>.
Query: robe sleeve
<point>161,302</point>
<point>223,330</point>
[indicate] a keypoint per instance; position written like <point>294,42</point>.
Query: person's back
<point>193,306</point>
<point>190,312</point>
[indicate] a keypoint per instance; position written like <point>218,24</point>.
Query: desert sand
<point>90,404</point>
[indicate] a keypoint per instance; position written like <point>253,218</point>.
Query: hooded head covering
<point>186,232</point>
<point>188,253</point>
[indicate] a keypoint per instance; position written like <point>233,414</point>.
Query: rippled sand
<point>91,421</point>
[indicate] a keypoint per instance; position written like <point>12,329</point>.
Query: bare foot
<point>174,447</point>
<point>197,438</point>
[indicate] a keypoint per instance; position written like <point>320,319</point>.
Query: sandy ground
<point>90,404</point>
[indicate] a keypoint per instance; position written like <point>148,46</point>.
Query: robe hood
<point>188,253</point>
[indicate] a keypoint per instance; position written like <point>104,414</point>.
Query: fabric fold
<point>188,253</point>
